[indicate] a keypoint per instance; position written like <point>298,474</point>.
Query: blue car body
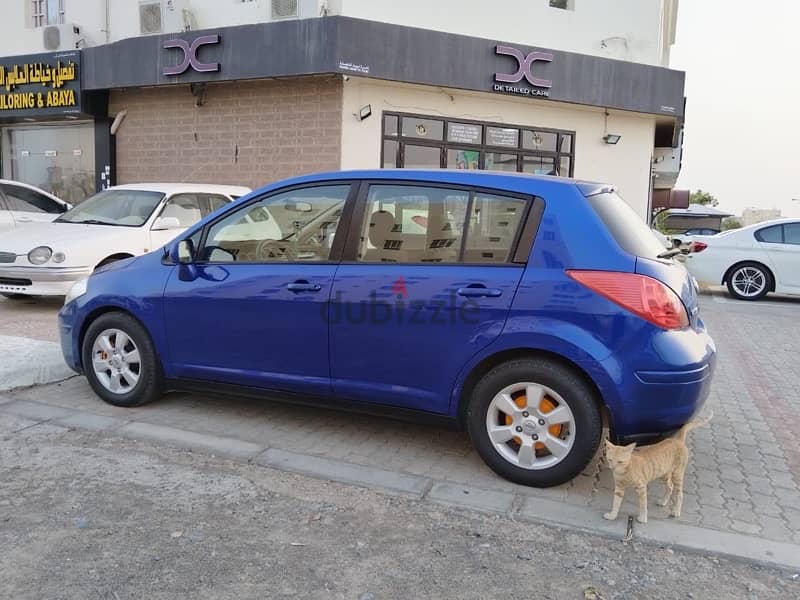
<point>243,326</point>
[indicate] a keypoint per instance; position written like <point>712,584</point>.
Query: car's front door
<point>28,206</point>
<point>251,309</point>
<point>786,257</point>
<point>429,282</point>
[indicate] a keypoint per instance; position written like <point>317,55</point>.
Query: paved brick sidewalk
<point>744,476</point>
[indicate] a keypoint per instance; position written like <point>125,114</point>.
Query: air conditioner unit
<point>151,17</point>
<point>666,166</point>
<point>61,37</point>
<point>284,9</point>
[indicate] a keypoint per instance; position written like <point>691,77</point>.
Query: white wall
<point>19,38</point>
<point>639,23</point>
<point>626,165</point>
<point>636,30</point>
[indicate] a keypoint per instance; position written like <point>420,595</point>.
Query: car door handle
<point>24,220</point>
<point>480,291</point>
<point>304,286</point>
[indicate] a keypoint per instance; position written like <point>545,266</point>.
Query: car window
<point>413,224</point>
<point>770,235</point>
<point>295,226</point>
<point>493,225</point>
<point>418,224</point>
<point>791,233</point>
<point>126,208</point>
<point>26,200</point>
<point>190,208</point>
<point>625,224</point>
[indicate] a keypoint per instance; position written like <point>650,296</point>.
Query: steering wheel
<point>272,249</point>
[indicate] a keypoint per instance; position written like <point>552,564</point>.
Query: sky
<point>742,134</point>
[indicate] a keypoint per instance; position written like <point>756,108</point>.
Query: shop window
<point>47,12</point>
<point>421,157</point>
<point>390,149</point>
<point>424,129</point>
<point>416,141</point>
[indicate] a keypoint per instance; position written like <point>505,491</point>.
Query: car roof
<point>34,188</point>
<point>174,188</point>
<point>491,179</point>
<point>780,221</point>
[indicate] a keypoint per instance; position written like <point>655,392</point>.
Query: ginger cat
<point>666,460</point>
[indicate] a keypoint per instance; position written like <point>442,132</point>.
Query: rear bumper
<point>652,403</point>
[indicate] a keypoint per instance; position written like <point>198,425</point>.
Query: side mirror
<point>164,223</point>
<point>298,206</point>
<point>185,252</point>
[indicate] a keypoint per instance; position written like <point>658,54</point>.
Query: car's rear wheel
<point>120,361</point>
<point>534,422</point>
<point>748,281</point>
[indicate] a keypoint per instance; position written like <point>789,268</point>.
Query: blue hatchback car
<point>532,311</point>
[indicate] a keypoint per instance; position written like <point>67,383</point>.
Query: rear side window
<point>770,235</point>
<point>791,233</point>
<point>627,227</point>
<point>25,200</point>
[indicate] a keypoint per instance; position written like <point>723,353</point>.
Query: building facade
<point>248,92</point>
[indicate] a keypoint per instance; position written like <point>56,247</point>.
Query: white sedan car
<point>751,261</point>
<point>21,204</point>
<point>45,259</point>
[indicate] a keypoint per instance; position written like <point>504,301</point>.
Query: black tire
<point>761,269</point>
<point>573,389</point>
<point>149,387</point>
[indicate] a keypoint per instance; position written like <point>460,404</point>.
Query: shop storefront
<point>48,126</point>
<point>256,103</point>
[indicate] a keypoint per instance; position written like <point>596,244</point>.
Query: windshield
<point>124,208</point>
<point>625,224</point>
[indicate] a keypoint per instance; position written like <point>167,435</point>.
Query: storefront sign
<point>538,86</point>
<point>190,58</point>
<point>464,133</point>
<point>41,84</point>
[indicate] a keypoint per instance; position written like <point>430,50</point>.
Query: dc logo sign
<point>190,55</point>
<point>524,67</point>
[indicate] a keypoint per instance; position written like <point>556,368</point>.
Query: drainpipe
<point>108,22</point>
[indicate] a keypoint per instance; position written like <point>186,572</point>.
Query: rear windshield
<point>627,227</point>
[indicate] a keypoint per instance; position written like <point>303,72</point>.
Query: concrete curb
<point>512,505</point>
<point>28,362</point>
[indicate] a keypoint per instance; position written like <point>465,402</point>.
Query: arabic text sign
<point>31,85</point>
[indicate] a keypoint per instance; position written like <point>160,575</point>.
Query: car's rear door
<point>427,281</point>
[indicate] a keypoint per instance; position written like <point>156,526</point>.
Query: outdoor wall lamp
<point>365,112</point>
<point>611,138</point>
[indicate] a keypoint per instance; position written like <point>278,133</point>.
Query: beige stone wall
<point>247,133</point>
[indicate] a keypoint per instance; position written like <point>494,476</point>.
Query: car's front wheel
<point>748,281</point>
<point>120,361</point>
<point>534,422</point>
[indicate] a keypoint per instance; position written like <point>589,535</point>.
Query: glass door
<point>54,157</point>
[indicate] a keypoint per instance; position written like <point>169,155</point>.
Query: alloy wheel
<point>115,361</point>
<point>749,281</point>
<point>530,426</point>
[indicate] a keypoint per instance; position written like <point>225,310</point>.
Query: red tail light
<point>698,246</point>
<point>644,296</point>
